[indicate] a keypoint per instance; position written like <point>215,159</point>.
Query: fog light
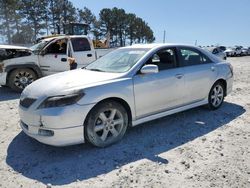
<point>43,132</point>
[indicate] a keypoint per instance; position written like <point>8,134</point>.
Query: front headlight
<point>61,100</point>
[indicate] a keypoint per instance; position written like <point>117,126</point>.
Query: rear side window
<point>193,57</point>
<point>80,44</point>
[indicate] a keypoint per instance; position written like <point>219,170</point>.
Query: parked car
<point>230,52</point>
<point>126,87</point>
<point>21,66</point>
<point>244,51</point>
<point>238,51</point>
<point>217,51</point>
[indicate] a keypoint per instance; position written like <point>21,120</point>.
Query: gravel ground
<point>195,148</point>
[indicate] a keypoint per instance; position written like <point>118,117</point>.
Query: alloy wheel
<point>217,95</point>
<point>109,124</point>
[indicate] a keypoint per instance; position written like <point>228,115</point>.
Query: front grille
<point>27,102</point>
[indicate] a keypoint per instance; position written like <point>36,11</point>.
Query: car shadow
<point>60,166</point>
<point>7,94</point>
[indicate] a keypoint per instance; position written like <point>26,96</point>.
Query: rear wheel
<point>20,78</point>
<point>216,96</point>
<point>106,124</point>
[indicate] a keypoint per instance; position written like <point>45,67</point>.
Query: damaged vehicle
<point>21,66</point>
<point>15,75</point>
<point>10,52</point>
<point>126,87</point>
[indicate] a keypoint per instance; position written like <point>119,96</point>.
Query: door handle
<point>63,59</point>
<point>179,76</point>
<point>89,55</point>
<point>213,69</point>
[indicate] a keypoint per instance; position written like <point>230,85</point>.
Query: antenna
<point>164,36</point>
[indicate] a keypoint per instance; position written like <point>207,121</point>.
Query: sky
<point>210,22</point>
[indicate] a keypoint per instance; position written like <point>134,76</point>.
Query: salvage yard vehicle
<point>21,66</point>
<point>217,51</point>
<point>244,51</point>
<point>230,52</point>
<point>126,87</point>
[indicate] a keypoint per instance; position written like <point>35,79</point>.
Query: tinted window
<point>57,47</point>
<point>80,44</point>
<point>164,59</point>
<point>215,51</point>
<point>193,57</point>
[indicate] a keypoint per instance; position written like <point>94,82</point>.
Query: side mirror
<point>149,69</point>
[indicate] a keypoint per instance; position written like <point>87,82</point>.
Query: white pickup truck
<point>20,66</point>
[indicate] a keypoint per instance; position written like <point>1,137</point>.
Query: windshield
<point>117,61</point>
<point>39,46</point>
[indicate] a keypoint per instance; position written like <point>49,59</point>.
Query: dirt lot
<point>195,148</point>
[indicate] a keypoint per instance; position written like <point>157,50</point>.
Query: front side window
<point>80,44</point>
<point>57,47</point>
<point>164,59</point>
<point>192,57</point>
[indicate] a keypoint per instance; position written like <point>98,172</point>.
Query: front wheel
<point>20,78</point>
<point>106,124</point>
<point>216,96</point>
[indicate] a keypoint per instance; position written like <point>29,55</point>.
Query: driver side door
<point>159,92</point>
<point>55,58</point>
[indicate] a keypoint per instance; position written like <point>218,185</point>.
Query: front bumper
<point>66,124</point>
<point>3,78</point>
<point>229,84</point>
<point>60,137</point>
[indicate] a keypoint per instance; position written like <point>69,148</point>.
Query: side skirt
<point>168,112</point>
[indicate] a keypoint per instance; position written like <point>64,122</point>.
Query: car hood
<point>13,47</point>
<point>66,82</point>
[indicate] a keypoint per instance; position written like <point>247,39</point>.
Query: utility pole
<point>164,36</point>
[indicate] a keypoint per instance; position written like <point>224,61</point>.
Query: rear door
<point>83,52</point>
<point>160,91</point>
<point>200,74</point>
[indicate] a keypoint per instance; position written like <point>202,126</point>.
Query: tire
<point>106,124</point>
<point>20,78</point>
<point>216,96</point>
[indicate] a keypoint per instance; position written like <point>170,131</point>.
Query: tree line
<point>23,21</point>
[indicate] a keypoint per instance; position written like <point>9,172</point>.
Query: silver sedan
<point>126,87</point>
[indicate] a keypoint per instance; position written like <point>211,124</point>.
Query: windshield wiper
<point>98,70</point>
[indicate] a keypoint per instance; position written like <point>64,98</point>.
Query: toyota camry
<point>126,87</point>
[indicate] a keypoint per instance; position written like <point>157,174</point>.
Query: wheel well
<point>120,101</point>
<point>10,71</point>
<point>224,83</point>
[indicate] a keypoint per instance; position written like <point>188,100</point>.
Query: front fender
<point>30,65</point>
<point>122,89</point>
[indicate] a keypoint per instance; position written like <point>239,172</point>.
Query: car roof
<point>210,48</point>
<point>63,36</point>
<point>156,45</point>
